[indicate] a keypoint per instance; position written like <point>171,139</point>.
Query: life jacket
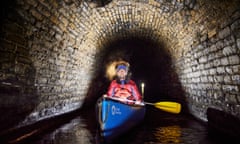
<point>124,89</point>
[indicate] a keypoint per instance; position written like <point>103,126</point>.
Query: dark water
<point>157,128</point>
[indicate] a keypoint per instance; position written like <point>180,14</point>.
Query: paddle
<point>172,107</point>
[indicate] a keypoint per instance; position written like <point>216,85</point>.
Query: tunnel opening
<point>150,63</point>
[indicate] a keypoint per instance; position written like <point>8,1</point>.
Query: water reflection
<point>168,134</point>
<point>75,132</point>
<point>157,128</point>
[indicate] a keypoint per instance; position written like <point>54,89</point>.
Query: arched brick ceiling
<point>179,24</point>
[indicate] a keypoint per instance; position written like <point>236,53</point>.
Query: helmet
<point>122,65</point>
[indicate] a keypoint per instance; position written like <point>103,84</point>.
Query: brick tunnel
<point>54,55</point>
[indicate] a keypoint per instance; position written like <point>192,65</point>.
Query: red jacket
<point>128,90</point>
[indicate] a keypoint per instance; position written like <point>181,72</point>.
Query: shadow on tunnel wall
<point>18,98</point>
<point>150,63</point>
<point>223,124</point>
<point>17,73</point>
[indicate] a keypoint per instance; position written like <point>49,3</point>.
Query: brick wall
<point>209,69</point>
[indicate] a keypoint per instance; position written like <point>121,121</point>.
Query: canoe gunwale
<point>124,101</point>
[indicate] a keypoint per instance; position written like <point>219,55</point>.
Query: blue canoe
<point>115,117</point>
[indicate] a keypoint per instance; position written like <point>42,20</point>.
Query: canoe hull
<point>115,118</point>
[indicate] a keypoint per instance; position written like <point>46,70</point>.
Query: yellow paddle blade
<point>172,107</point>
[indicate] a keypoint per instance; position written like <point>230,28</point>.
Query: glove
<point>131,98</point>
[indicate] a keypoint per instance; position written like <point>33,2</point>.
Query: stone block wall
<point>17,72</point>
<point>44,69</point>
<point>63,65</point>
<point>209,69</point>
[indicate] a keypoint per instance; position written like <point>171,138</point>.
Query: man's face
<point>122,73</point>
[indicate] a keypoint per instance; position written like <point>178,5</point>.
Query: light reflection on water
<point>157,128</point>
<point>168,134</point>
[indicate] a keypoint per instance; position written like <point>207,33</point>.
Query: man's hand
<point>105,95</point>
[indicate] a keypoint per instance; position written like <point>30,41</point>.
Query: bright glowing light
<point>142,85</point>
<point>110,69</point>
<point>142,88</point>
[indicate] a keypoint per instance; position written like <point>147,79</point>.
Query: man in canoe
<point>122,87</point>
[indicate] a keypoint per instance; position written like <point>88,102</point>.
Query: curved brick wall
<point>51,50</point>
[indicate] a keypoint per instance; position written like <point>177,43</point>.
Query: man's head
<point>124,67</point>
<point>122,70</point>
